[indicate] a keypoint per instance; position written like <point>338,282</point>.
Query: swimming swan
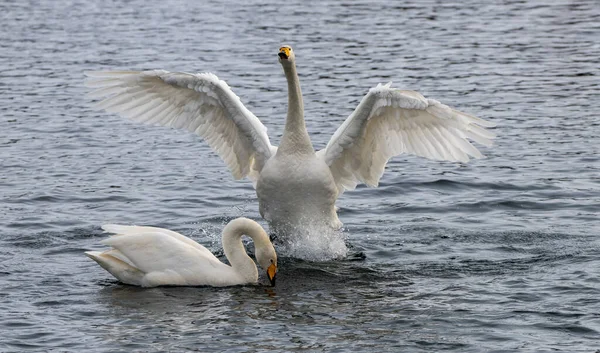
<point>150,257</point>
<point>294,184</point>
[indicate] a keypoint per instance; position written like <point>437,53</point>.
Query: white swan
<point>149,256</point>
<point>295,184</point>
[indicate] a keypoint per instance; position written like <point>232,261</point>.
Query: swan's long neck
<point>234,249</point>
<point>295,138</point>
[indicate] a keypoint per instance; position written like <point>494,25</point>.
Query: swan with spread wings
<point>293,182</point>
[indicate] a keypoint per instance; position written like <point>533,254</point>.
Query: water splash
<point>311,242</point>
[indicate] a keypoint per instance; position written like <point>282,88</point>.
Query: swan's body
<point>295,184</point>
<point>150,257</point>
<point>294,190</point>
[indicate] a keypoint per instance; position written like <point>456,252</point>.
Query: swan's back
<point>149,256</point>
<point>118,229</point>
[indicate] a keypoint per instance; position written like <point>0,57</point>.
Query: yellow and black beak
<point>284,53</point>
<point>271,272</point>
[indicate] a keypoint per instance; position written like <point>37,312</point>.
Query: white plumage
<point>389,122</point>
<point>200,103</point>
<point>150,256</point>
<point>293,183</point>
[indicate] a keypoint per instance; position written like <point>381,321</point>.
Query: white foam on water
<point>311,242</point>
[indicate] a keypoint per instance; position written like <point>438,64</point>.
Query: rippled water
<point>502,254</point>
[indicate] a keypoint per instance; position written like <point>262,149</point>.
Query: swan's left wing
<point>389,122</point>
<point>200,103</point>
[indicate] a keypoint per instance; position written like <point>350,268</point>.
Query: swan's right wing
<point>152,249</point>
<point>200,103</point>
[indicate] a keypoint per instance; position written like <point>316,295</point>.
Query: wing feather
<point>157,252</point>
<point>200,103</point>
<point>388,122</point>
<point>122,230</point>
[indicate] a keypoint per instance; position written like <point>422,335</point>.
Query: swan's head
<point>286,55</point>
<point>267,259</point>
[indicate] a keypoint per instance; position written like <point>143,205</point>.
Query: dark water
<point>502,254</point>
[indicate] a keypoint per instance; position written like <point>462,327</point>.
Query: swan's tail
<point>123,271</point>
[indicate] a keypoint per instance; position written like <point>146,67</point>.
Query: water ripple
<point>495,255</point>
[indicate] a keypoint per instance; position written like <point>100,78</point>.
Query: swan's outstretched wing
<point>200,103</point>
<point>389,122</point>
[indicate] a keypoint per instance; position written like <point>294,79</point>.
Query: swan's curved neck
<point>235,251</point>
<point>295,137</point>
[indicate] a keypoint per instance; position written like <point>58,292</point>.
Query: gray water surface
<point>501,254</point>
